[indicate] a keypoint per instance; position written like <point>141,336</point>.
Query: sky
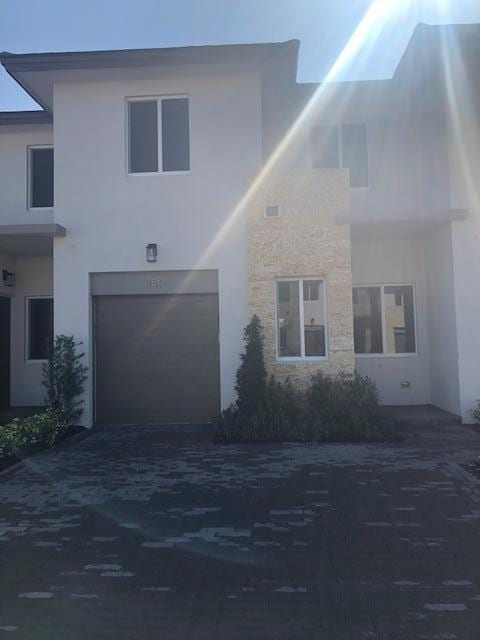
<point>324,28</point>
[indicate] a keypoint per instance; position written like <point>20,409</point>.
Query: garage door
<point>156,358</point>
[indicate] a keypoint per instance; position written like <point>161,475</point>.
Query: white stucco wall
<point>396,262</point>
<point>442,329</point>
<point>462,100</point>
<point>34,277</point>
<point>110,216</point>
<point>14,143</point>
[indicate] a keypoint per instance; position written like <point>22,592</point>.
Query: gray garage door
<point>156,358</point>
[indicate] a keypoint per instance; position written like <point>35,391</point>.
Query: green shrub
<point>341,408</point>
<point>251,375</point>
<point>26,435</point>
<point>476,412</point>
<point>345,408</point>
<point>63,377</point>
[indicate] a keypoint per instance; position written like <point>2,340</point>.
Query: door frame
<point>8,315</point>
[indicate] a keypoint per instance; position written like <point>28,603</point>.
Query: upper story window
<point>158,135</point>
<point>40,177</point>
<point>344,146</point>
<point>384,319</point>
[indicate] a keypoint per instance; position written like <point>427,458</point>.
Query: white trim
<point>31,147</point>
<point>158,99</point>
<point>27,327</point>
<point>387,354</point>
<point>302,358</point>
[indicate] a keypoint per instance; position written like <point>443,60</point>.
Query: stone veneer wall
<point>304,241</point>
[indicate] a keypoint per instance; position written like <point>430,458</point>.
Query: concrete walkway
<point>144,533</point>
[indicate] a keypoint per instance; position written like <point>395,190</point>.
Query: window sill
<point>40,208</point>
<point>36,361</point>
<point>158,173</point>
<point>299,359</point>
<point>383,356</point>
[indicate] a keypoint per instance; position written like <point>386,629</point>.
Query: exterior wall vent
<point>272,211</point>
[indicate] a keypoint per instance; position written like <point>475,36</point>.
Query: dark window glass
<point>325,148</point>
<point>314,318</point>
<point>355,152</point>
<point>40,328</point>
<point>41,177</point>
<point>143,136</point>
<point>288,319</point>
<point>175,135</point>
<point>399,319</point>
<point>367,320</point>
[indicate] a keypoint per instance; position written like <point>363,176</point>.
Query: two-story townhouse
<point>192,187</point>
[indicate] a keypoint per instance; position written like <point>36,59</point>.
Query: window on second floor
<point>40,177</point>
<point>344,146</point>
<point>158,135</point>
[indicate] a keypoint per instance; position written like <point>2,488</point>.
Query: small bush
<point>476,412</point>
<point>23,436</point>
<point>341,408</point>
<point>63,377</point>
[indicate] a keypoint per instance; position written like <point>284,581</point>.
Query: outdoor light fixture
<point>151,252</point>
<point>8,278</point>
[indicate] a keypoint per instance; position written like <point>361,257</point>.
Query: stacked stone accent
<point>304,242</point>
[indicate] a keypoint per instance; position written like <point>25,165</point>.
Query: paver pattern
<point>146,533</point>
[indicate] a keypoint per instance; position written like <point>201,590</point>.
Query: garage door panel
<point>157,358</point>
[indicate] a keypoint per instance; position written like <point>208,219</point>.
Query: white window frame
<point>385,354</point>
<point>338,126</point>
<point>30,148</point>
<point>303,357</point>
<point>29,360</point>
<point>158,99</point>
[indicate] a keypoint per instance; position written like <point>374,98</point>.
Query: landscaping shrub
<point>476,413</point>
<point>63,377</point>
<point>341,408</point>
<point>23,436</point>
<point>251,375</point>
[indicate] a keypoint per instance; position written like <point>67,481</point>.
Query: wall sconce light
<point>8,278</point>
<point>151,252</point>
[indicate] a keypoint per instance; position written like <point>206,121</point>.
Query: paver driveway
<point>141,533</point>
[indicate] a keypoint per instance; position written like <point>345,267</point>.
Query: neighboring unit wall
<point>305,242</point>
<point>110,216</point>
<point>465,163</point>
<point>14,143</point>
<point>442,330</point>
<point>34,277</point>
<point>396,262</point>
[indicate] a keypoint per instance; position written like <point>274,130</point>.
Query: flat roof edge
<point>25,117</point>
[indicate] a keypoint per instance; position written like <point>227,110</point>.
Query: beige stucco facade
<point>304,241</point>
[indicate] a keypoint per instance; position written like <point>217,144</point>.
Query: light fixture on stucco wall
<point>151,252</point>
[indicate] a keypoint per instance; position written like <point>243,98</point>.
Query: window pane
<point>41,177</point>
<point>399,320</point>
<point>325,151</point>
<point>355,153</point>
<point>175,135</point>
<point>40,329</point>
<point>143,136</point>
<point>288,319</point>
<point>367,320</point>
<point>314,317</point>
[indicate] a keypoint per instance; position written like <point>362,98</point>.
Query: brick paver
<point>157,533</point>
